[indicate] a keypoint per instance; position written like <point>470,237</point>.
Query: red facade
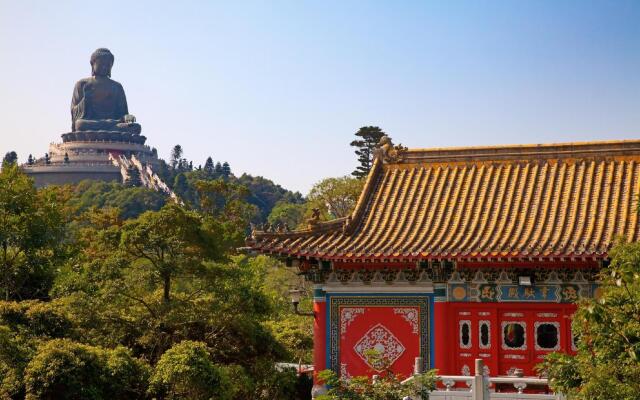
<point>456,254</point>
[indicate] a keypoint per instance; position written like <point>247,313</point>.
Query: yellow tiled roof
<point>527,201</point>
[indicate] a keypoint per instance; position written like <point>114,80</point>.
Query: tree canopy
<point>150,303</point>
<point>607,364</point>
<point>368,139</point>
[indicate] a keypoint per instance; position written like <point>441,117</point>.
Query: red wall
<point>452,355</point>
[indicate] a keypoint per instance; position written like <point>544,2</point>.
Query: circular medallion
<point>459,293</point>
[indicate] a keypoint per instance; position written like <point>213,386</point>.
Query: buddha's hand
<point>128,118</point>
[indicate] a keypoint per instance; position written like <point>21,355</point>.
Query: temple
<point>453,254</point>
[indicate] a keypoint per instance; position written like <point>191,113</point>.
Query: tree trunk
<point>167,288</point>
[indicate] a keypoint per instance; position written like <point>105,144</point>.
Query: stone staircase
<point>148,177</point>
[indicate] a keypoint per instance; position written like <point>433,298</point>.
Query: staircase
<point>148,177</point>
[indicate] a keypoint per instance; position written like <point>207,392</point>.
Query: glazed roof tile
<point>524,201</point>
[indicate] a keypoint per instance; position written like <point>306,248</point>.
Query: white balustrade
<point>479,387</point>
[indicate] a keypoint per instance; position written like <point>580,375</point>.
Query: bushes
<point>607,363</point>
<point>34,318</point>
<point>186,372</point>
<point>62,369</point>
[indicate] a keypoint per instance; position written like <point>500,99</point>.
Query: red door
<point>476,338</point>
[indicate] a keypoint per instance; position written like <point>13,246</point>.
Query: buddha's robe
<point>99,103</point>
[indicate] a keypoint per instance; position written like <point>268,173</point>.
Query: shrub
<point>186,371</point>
<point>63,369</point>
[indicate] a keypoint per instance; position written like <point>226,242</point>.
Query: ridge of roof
<point>390,155</point>
<point>605,148</point>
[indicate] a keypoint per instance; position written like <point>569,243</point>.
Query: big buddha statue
<point>99,103</point>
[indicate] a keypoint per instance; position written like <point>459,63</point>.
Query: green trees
<point>287,214</point>
<point>186,371</point>
<point>135,296</point>
<point>167,244</point>
<point>133,177</point>
<point>63,369</point>
<point>176,156</point>
<point>10,158</point>
<point>388,386</point>
<point>335,197</point>
<point>369,138</point>
<point>607,365</point>
<point>31,235</point>
<point>130,201</point>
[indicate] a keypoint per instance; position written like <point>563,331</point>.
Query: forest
<point>112,290</point>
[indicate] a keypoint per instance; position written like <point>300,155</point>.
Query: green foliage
<point>15,353</point>
<point>335,197</point>
<point>386,387</point>
<point>607,365</point>
<point>10,158</point>
<point>131,201</point>
<point>35,318</point>
<point>133,177</point>
<point>287,214</point>
<point>186,371</point>
<point>176,156</point>
<point>275,280</point>
<point>132,280</point>
<point>31,235</point>
<point>62,369</point>
<point>369,139</point>
<point>294,335</point>
<point>265,194</point>
<point>169,243</point>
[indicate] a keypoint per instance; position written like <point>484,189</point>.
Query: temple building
<point>453,254</point>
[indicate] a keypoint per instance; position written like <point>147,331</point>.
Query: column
<point>319,338</point>
<point>440,322</point>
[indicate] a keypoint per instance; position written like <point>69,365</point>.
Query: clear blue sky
<point>278,88</point>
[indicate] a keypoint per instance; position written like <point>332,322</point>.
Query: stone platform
<point>85,155</point>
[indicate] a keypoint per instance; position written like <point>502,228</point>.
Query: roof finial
<point>387,152</point>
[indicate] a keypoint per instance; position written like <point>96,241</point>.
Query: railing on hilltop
<point>482,387</point>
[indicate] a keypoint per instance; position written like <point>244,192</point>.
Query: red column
<point>440,342</point>
<point>319,332</point>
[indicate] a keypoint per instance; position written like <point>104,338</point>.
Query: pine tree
<point>226,169</point>
<point>47,159</point>
<point>208,166</point>
<point>176,156</point>
<point>133,177</point>
<point>66,158</point>
<point>218,168</point>
<point>181,187</point>
<point>10,158</point>
<point>370,138</point>
<point>30,160</point>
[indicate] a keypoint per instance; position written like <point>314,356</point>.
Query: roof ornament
<point>315,218</point>
<point>387,152</point>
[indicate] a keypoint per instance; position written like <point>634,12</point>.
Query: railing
<point>480,387</point>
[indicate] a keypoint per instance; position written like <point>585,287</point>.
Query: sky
<point>278,88</point>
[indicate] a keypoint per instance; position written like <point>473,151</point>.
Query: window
<point>485,334</point>
<point>514,336</point>
<point>547,335</point>
<point>465,334</point>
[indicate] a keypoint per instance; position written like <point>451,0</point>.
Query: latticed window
<point>513,335</point>
<point>485,334</point>
<point>547,336</point>
<point>465,334</point>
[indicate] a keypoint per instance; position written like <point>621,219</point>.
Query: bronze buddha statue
<point>99,103</point>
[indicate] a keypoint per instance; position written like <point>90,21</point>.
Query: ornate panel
<point>395,328</point>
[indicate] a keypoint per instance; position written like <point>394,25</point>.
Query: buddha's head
<point>101,62</point>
